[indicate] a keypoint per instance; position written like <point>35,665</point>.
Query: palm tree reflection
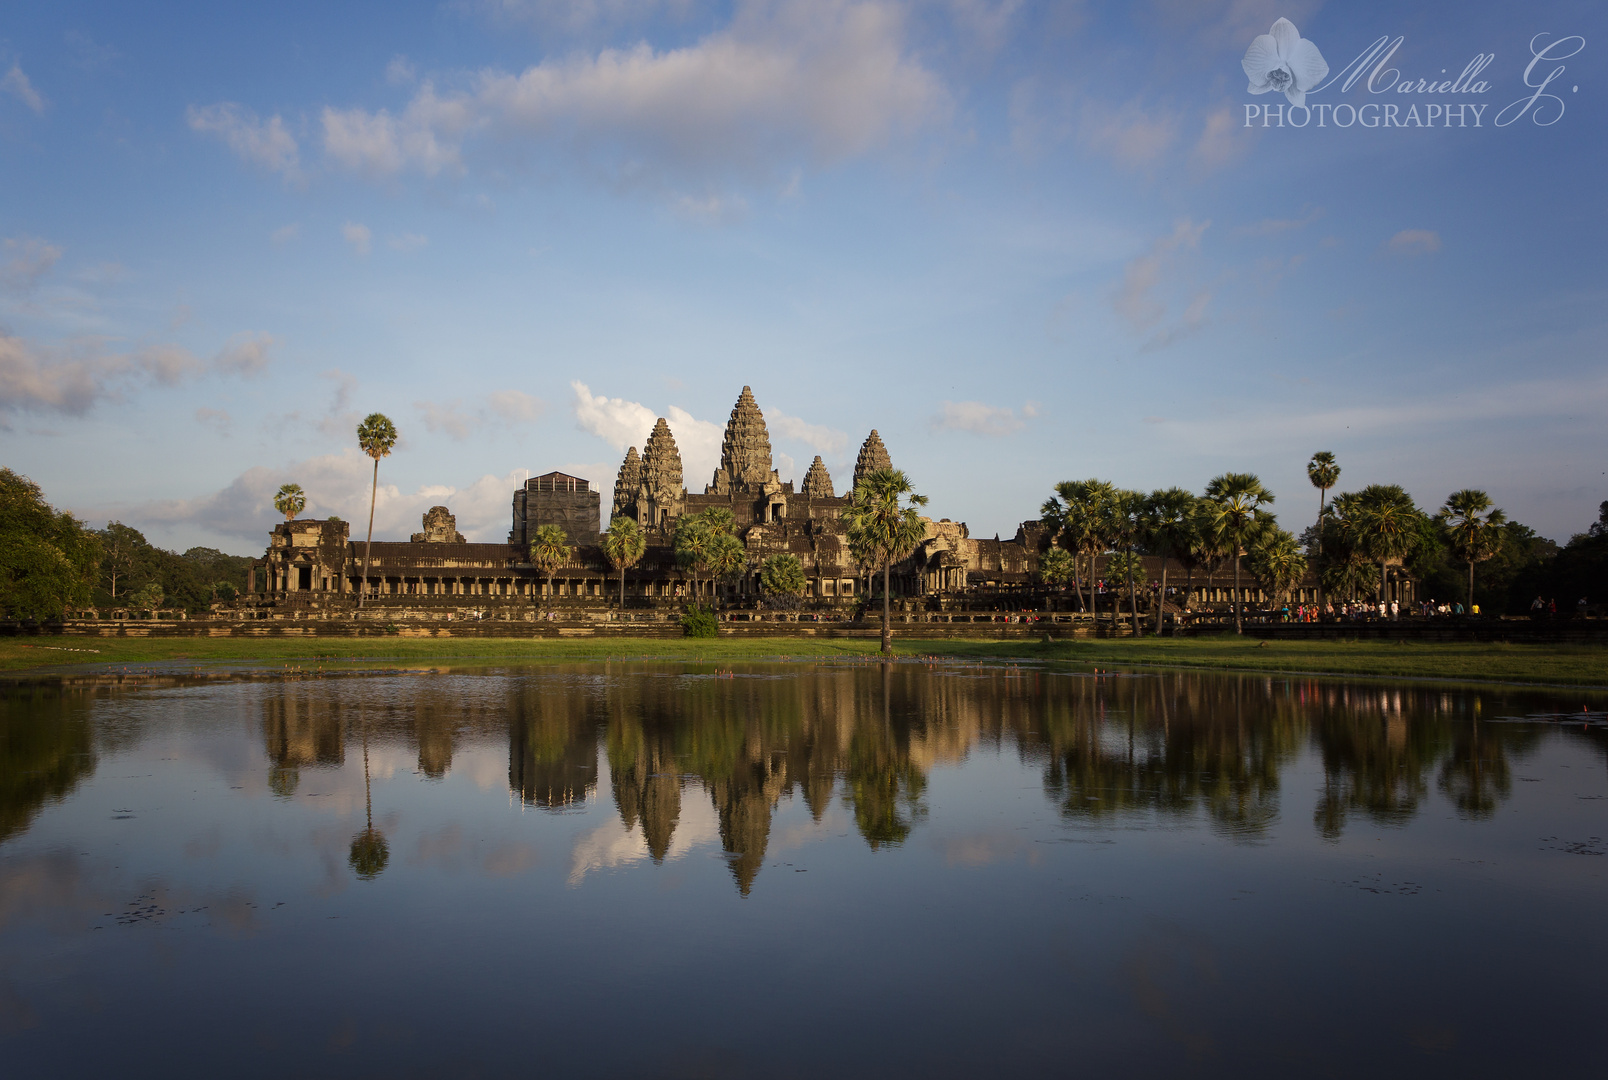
<point>369,852</point>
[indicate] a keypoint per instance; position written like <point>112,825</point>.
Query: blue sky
<point>1027,242</point>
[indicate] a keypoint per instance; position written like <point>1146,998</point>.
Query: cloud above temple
<point>497,410</point>
<point>787,83</point>
<point>980,419</point>
<point>336,484</point>
<point>70,380</point>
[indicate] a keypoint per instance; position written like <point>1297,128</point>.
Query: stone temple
<point>318,565</point>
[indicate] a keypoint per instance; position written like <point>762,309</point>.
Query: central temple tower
<point>745,452</point>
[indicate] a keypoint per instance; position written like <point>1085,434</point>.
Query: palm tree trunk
<point>368,546</point>
<point>622,587</point>
<point>1469,609</point>
<point>887,621</point>
<point>1239,604</point>
<point>1133,597</point>
<point>1321,493</point>
<point>1161,598</point>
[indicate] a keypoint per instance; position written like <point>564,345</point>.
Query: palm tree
<point>1082,521</point>
<point>782,577</point>
<point>883,522</point>
<point>1324,474</point>
<point>726,557</point>
<point>1387,524</point>
<point>290,501</point>
<point>549,550</point>
<point>1170,531</point>
<point>1475,529</point>
<point>1127,512</point>
<point>624,545</point>
<point>693,537</point>
<point>1055,568</point>
<point>1276,560</point>
<point>376,435</point>
<point>1237,500</point>
<point>369,852</point>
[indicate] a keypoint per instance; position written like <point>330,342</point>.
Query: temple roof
<point>661,463</point>
<point>873,456</point>
<point>817,482</point>
<point>745,452</point>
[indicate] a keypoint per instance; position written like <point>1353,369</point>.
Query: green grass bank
<point>1557,664</point>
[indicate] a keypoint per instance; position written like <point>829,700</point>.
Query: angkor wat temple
<point>317,566</point>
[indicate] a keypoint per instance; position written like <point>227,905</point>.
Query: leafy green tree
<point>1475,529</point>
<point>1055,568</point>
<point>118,546</point>
<point>726,557</point>
<point>292,500</point>
<point>1387,524</point>
<point>1082,521</point>
<point>692,539</point>
<point>149,598</point>
<point>48,560</point>
<point>225,591</point>
<point>624,545</point>
<point>1324,473</point>
<point>1128,566</point>
<point>1171,526</point>
<point>550,549</point>
<point>1277,562</point>
<point>781,577</point>
<point>376,437</point>
<point>1237,500</point>
<point>883,519</point>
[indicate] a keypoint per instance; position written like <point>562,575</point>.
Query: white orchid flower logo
<point>1283,60</point>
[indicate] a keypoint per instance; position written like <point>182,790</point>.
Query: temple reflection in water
<point>1137,747</point>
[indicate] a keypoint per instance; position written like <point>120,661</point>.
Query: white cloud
<point>501,409</point>
<point>359,236</point>
<point>400,71</point>
<point>285,234</point>
<point>829,441</point>
<point>71,381</point>
<point>408,242</point>
<point>264,143</point>
<point>515,406</point>
<point>15,82</point>
<point>1135,298</point>
<point>624,423</point>
<point>821,80</point>
<point>27,260</point>
<point>1414,242</point>
<point>245,354</point>
<point>1131,134</point>
<point>618,422</point>
<point>335,484</point>
<point>977,418</point>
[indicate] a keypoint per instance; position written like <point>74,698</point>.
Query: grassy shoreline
<point>1558,665</point>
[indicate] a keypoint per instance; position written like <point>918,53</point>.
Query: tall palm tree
<point>1475,528</point>
<point>624,545</point>
<point>883,521</point>
<point>1324,474</point>
<point>1276,560</point>
<point>290,501</point>
<point>1170,531</point>
<point>727,556</point>
<point>1237,500</point>
<point>376,435</point>
<point>1127,513</point>
<point>1083,522</point>
<point>1387,524</point>
<point>550,549</point>
<point>692,542</point>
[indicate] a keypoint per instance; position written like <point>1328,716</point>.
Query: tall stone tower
<point>629,480</point>
<point>873,456</point>
<point>745,453</point>
<point>817,483</point>
<point>661,495</point>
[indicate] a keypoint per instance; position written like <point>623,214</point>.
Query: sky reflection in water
<point>791,869</point>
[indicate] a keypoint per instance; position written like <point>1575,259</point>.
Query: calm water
<point>801,870</point>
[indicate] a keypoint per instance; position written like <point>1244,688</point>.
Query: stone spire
<point>873,456</point>
<point>661,464</point>
<point>629,480</point>
<point>745,453</point>
<point>817,484</point>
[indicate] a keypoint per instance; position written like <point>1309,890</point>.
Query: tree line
<point>1466,550</point>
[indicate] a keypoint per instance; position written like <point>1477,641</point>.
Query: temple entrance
<point>304,578</point>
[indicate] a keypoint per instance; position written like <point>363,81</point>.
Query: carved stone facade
<point>873,456</point>
<point>555,498</point>
<point>440,527</point>
<point>817,483</point>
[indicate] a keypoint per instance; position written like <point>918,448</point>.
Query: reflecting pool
<point>799,870</point>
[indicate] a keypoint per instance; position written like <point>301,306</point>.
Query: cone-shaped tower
<point>629,480</point>
<point>745,452</point>
<point>661,464</point>
<point>873,456</point>
<point>817,483</point>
